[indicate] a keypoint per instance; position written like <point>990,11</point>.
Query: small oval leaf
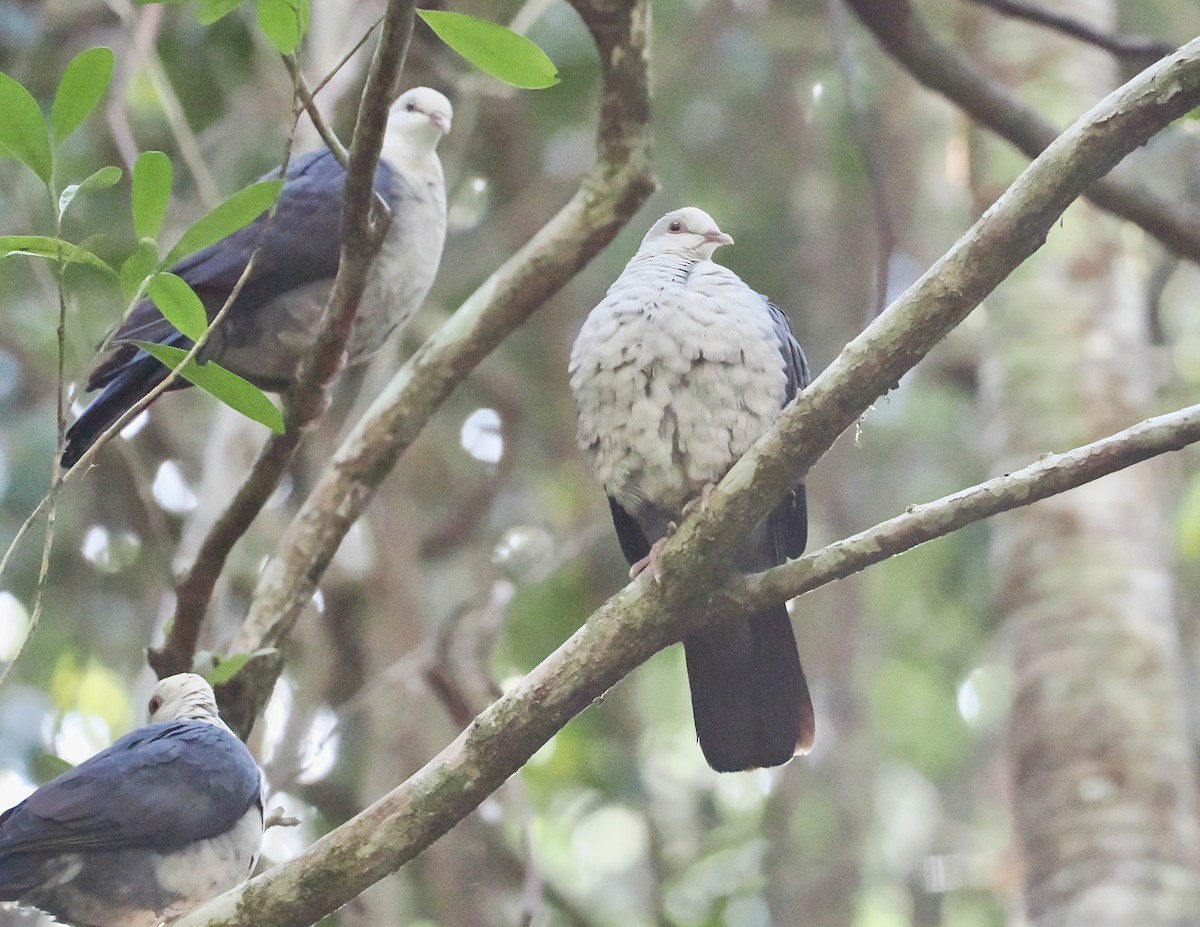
<point>240,395</point>
<point>138,266</point>
<point>209,11</point>
<point>151,192</point>
<point>100,180</point>
<point>283,22</point>
<point>228,667</point>
<point>82,85</point>
<point>236,212</point>
<point>23,130</point>
<point>47,766</point>
<point>494,49</point>
<point>51,249</point>
<point>179,304</point>
<point>64,198</point>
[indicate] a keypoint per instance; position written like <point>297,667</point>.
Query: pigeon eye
<point>675,226</point>
<point>410,106</point>
<point>155,704</point>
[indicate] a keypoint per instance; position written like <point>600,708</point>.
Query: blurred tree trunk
<point>1104,789</point>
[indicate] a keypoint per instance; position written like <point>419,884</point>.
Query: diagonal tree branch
<point>609,195</point>
<point>364,224</point>
<point>907,38</point>
<point>645,616</point>
<point>1048,476</point>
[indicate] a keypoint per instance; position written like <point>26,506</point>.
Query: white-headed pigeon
<point>274,318</point>
<point>676,373</point>
<point>167,817</point>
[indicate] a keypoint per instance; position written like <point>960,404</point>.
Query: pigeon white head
<point>185,697</point>
<point>418,120</point>
<point>689,231</point>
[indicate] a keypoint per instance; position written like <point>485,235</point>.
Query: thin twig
<point>39,594</point>
<point>1132,46</point>
<point>346,57</point>
<point>309,105</point>
<point>362,234</point>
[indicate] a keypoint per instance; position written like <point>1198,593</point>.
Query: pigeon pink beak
<point>441,120</point>
<point>717,237</point>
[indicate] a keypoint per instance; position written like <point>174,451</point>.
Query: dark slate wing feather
<point>301,245</point>
<point>788,523</point>
<point>160,787</point>
<point>634,544</point>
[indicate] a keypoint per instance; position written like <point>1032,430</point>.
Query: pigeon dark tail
<point>119,394</point>
<point>749,696</point>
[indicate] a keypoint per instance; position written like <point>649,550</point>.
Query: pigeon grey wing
<point>788,523</point>
<point>301,244</point>
<point>160,787</point>
<point>794,362</point>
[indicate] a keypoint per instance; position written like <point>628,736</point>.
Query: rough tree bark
<point>1104,786</point>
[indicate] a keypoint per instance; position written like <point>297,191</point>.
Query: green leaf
<point>100,180</point>
<point>179,304</point>
<point>82,85</point>
<point>238,394</point>
<point>47,766</point>
<point>494,49</point>
<point>209,11</point>
<point>283,22</point>
<point>138,266</point>
<point>226,669</point>
<point>236,212</point>
<point>51,249</point>
<point>151,192</point>
<point>22,129</point>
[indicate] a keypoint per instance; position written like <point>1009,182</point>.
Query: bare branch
<point>1134,46</point>
<point>906,37</point>
<point>309,105</point>
<point>1050,475</point>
